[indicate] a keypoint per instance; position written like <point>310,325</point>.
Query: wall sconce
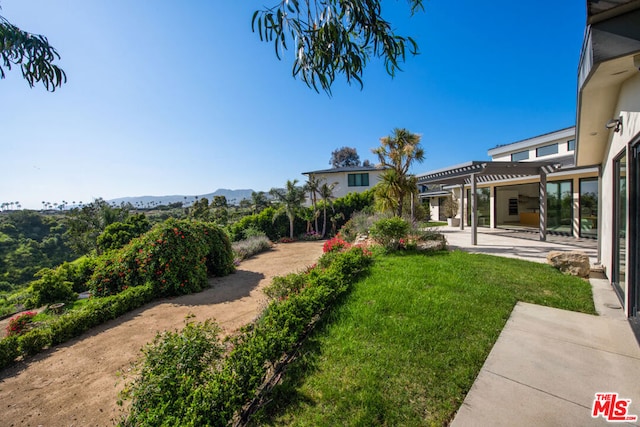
<point>614,124</point>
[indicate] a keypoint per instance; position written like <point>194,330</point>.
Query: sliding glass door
<point>589,208</point>
<point>560,207</point>
<point>620,225</point>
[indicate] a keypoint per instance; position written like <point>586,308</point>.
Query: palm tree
<point>313,187</point>
<point>291,199</point>
<point>397,152</point>
<point>258,201</point>
<point>309,215</point>
<point>326,194</point>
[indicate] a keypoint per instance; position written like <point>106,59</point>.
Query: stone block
<point>575,263</point>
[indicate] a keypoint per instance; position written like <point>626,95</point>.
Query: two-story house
<point>351,179</point>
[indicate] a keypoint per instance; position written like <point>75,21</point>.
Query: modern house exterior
<point>351,179</point>
<point>509,196</point>
<point>583,181</point>
<point>608,134</point>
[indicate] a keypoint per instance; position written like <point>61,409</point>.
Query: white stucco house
<point>351,179</point>
<point>608,134</point>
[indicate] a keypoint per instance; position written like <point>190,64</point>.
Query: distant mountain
<point>233,198</point>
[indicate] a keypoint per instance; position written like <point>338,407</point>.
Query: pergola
<point>474,172</point>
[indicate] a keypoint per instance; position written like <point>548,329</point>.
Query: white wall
<point>502,207</point>
<point>342,184</point>
<point>562,151</point>
<point>629,108</point>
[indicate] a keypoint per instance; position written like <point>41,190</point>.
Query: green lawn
<point>435,224</point>
<point>404,347</point>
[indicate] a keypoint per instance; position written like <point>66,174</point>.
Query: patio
<point>548,364</point>
<point>512,243</point>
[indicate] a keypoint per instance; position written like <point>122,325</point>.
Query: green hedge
<point>73,323</point>
<point>223,386</point>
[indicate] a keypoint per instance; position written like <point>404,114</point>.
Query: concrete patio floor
<point>548,364</point>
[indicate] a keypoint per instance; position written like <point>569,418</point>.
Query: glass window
<point>589,207</point>
<point>571,145</point>
<point>483,199</point>
<point>522,155</point>
<point>559,207</point>
<point>358,179</point>
<point>619,272</point>
<point>547,150</point>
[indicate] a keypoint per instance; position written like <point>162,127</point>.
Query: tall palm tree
<point>291,199</point>
<point>397,152</point>
<point>326,194</point>
<point>312,186</point>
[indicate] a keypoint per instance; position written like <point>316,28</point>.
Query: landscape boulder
<point>575,263</point>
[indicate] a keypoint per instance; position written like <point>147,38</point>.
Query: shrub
<point>253,231</point>
<point>281,286</point>
<point>8,350</point>
<point>34,341</point>
<point>264,221</point>
<point>359,225</point>
<point>345,207</point>
<point>389,231</point>
<point>118,234</point>
<point>19,324</point>
<point>174,257</point>
<point>51,288</point>
<point>78,272</point>
<point>250,246</point>
<point>203,396</point>
<point>175,364</point>
<point>335,244</point>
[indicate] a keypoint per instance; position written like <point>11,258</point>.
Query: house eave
<point>606,61</point>
<point>532,142</point>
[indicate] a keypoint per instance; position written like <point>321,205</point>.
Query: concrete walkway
<point>548,364</point>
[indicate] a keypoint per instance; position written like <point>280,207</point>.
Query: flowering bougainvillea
<point>175,257</point>
<point>18,324</point>
<point>335,245</point>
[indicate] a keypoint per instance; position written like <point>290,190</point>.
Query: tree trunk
<point>315,207</point>
<point>291,227</point>
<point>324,223</point>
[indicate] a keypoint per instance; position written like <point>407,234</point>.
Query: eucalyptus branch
<point>34,55</point>
<point>337,37</point>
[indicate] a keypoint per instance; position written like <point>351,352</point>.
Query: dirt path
<point>77,383</point>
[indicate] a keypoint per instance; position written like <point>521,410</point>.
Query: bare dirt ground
<point>77,383</point>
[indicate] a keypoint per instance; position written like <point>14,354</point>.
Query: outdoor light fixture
<point>614,124</point>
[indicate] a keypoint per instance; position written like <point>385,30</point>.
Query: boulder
<point>575,263</point>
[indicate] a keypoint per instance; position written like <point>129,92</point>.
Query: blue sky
<point>182,98</point>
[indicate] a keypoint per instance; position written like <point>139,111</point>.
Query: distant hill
<point>233,197</point>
